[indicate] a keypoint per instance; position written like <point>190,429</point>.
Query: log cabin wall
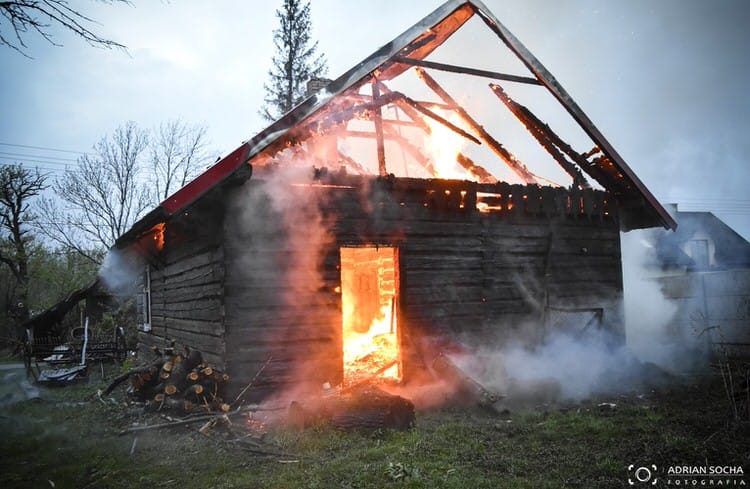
<point>279,316</point>
<point>187,287</point>
<point>476,277</point>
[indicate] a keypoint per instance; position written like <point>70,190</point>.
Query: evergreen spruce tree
<point>295,62</point>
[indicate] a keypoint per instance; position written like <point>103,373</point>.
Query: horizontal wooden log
<point>211,256</point>
<point>296,352</point>
<point>442,262</point>
<point>245,295</point>
<point>441,294</point>
<point>241,332</point>
<point>284,316</point>
<point>210,328</point>
<point>211,303</point>
<point>207,273</point>
<point>601,289</point>
<point>452,310</point>
<point>198,240</point>
<point>168,294</point>
<point>208,344</point>
<point>422,278</point>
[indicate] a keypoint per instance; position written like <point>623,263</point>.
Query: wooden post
<point>378,119</point>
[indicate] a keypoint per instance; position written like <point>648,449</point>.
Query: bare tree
<point>39,16</point>
<point>18,185</point>
<point>295,61</point>
<point>178,154</point>
<point>102,197</point>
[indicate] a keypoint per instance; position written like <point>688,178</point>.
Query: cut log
<point>170,390</point>
<point>178,405</point>
<point>193,358</point>
<point>367,409</point>
<point>178,375</point>
<point>371,409</point>
<point>151,369</point>
<point>195,392</point>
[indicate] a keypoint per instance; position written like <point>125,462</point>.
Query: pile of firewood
<point>179,382</point>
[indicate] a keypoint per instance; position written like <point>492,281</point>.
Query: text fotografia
<point>705,476</point>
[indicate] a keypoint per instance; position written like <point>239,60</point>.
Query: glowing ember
<point>443,146</point>
<point>159,235</point>
<point>376,349</point>
<point>370,330</point>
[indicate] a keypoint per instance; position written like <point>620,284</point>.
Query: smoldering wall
<point>280,311</point>
<point>571,361</point>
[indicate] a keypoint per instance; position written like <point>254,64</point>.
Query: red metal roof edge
<point>206,180</point>
<point>248,150</point>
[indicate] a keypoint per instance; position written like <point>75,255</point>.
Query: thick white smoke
<point>120,273</point>
<point>573,365</point>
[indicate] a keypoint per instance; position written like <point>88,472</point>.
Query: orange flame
<point>443,146</point>
<point>159,235</point>
<point>369,326</point>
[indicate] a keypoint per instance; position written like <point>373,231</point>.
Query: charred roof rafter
<point>387,62</point>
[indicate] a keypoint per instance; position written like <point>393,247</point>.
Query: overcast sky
<point>665,81</point>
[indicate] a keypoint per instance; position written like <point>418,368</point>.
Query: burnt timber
<point>477,263</point>
<point>464,273</point>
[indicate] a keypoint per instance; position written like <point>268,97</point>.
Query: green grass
<point>73,445</point>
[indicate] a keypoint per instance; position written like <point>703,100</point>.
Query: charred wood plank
<point>547,139</point>
<point>378,120</point>
<point>447,369</point>
<point>366,409</point>
<point>467,71</point>
<point>514,164</point>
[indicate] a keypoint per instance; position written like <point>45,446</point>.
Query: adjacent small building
<point>704,270</point>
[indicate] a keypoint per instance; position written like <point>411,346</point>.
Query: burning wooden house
<point>388,211</point>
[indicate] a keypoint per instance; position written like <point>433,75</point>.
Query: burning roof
<point>408,134</point>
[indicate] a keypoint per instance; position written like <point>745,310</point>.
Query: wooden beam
<point>478,171</point>
<point>514,164</point>
<point>546,138</point>
<point>396,122</point>
<point>413,151</point>
<point>378,119</point>
<point>357,166</point>
<point>349,133</point>
<point>549,81</point>
<point>467,71</point>
<point>424,110</point>
<point>469,165</point>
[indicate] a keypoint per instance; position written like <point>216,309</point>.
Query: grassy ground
<point>70,439</point>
